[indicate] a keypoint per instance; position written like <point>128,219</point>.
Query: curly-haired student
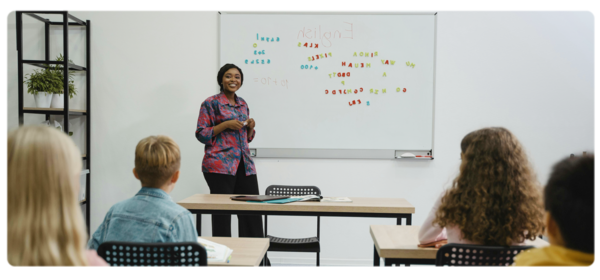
<point>495,200</point>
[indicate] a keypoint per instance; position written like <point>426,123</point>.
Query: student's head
<point>569,204</point>
<point>45,223</point>
<point>495,199</point>
<point>157,161</point>
<point>230,77</point>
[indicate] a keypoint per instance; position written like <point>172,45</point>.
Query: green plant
<point>50,80</point>
<point>57,70</point>
<point>43,80</point>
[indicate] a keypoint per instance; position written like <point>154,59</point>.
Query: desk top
<point>400,242</point>
<point>358,205</point>
<point>246,251</point>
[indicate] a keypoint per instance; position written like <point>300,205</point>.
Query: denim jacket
<point>149,216</point>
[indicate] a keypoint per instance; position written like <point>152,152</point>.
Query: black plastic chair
<point>454,254</point>
<point>309,244</point>
<point>117,253</point>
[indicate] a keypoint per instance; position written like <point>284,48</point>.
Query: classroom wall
<point>531,72</point>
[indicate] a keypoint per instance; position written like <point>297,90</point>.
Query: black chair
<point>310,244</point>
<point>117,253</point>
<point>454,254</point>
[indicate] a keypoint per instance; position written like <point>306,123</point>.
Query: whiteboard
<point>296,64</point>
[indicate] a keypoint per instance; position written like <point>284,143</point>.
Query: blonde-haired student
<point>151,215</point>
<point>495,200</point>
<point>569,203</point>
<point>45,223</point>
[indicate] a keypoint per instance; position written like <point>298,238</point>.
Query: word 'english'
<point>326,36</point>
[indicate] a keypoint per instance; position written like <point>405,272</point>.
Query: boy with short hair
<point>151,215</point>
<point>569,204</point>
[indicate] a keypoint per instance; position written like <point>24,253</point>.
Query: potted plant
<point>42,83</point>
<point>57,100</point>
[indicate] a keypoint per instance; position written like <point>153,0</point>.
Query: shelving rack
<point>66,111</point>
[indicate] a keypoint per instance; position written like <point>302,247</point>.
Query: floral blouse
<point>222,153</point>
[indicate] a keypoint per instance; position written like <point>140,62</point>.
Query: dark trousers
<point>248,225</point>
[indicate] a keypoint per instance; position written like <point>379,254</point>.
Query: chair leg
<point>318,259</point>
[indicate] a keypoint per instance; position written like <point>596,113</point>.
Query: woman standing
<point>224,127</point>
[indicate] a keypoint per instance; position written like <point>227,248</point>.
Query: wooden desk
<point>359,207</point>
<point>246,251</point>
<point>398,244</point>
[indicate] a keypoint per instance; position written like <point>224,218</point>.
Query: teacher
<point>225,128</point>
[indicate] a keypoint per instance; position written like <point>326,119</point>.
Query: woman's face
<point>232,80</point>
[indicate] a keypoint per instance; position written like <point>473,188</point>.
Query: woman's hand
<point>234,124</point>
<point>250,123</point>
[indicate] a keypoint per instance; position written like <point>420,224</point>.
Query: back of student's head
<point>45,223</point>
<point>495,200</point>
<point>569,197</point>
<point>157,158</point>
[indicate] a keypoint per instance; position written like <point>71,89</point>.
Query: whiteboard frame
<point>339,153</point>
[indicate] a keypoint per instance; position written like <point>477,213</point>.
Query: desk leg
<point>409,220</point>
<point>375,257</point>
<point>399,221</point>
<point>199,224</point>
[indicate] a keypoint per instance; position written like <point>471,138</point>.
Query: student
<point>45,223</point>
<point>151,215</point>
<point>495,199</point>
<point>569,204</point>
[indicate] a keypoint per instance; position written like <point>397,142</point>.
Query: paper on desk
<point>216,252</point>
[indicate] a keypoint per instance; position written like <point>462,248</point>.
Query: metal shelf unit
<point>65,112</point>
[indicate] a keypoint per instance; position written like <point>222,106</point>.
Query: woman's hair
<point>222,73</point>
<point>157,158</point>
<point>496,199</point>
<point>45,223</point>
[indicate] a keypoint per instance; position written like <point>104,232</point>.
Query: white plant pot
<point>58,101</point>
<point>42,99</point>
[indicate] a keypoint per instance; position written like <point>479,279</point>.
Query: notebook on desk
<point>257,197</point>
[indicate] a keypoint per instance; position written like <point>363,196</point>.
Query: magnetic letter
<point>246,61</point>
<point>268,61</point>
<point>329,54</point>
<point>354,54</point>
<point>343,63</point>
<point>254,52</point>
<point>317,56</point>
<point>384,74</point>
<point>376,91</point>
<point>353,102</point>
<point>382,61</point>
<point>362,65</point>
<point>333,92</point>
<point>355,65</point>
<point>339,74</point>
<point>311,45</point>
<point>392,61</point>
<point>361,53</point>
<point>309,58</point>
<point>343,74</point>
<point>361,89</point>
<point>262,38</point>
<point>387,62</point>
<point>383,91</point>
<point>355,91</point>
<point>277,39</point>
<point>254,45</point>
<point>369,65</point>
<point>371,90</point>
<point>252,62</point>
<point>267,39</point>
<point>316,46</point>
<point>343,83</point>
<point>306,44</point>
<point>313,58</point>
<point>375,53</point>
<point>325,54</point>
<point>326,91</point>
<point>350,65</point>
<point>322,56</point>
<point>299,44</point>
<point>330,76</point>
<point>359,101</point>
<point>348,74</point>
<point>408,63</point>
<point>368,103</point>
<point>350,103</point>
<point>404,90</point>
<point>397,89</point>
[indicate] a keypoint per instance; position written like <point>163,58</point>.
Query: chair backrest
<point>117,253</point>
<point>279,190</point>
<point>454,254</point>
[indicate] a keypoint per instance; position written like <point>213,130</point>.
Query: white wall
<point>531,72</point>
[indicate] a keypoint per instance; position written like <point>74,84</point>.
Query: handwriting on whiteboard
<point>326,36</point>
<point>272,82</point>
